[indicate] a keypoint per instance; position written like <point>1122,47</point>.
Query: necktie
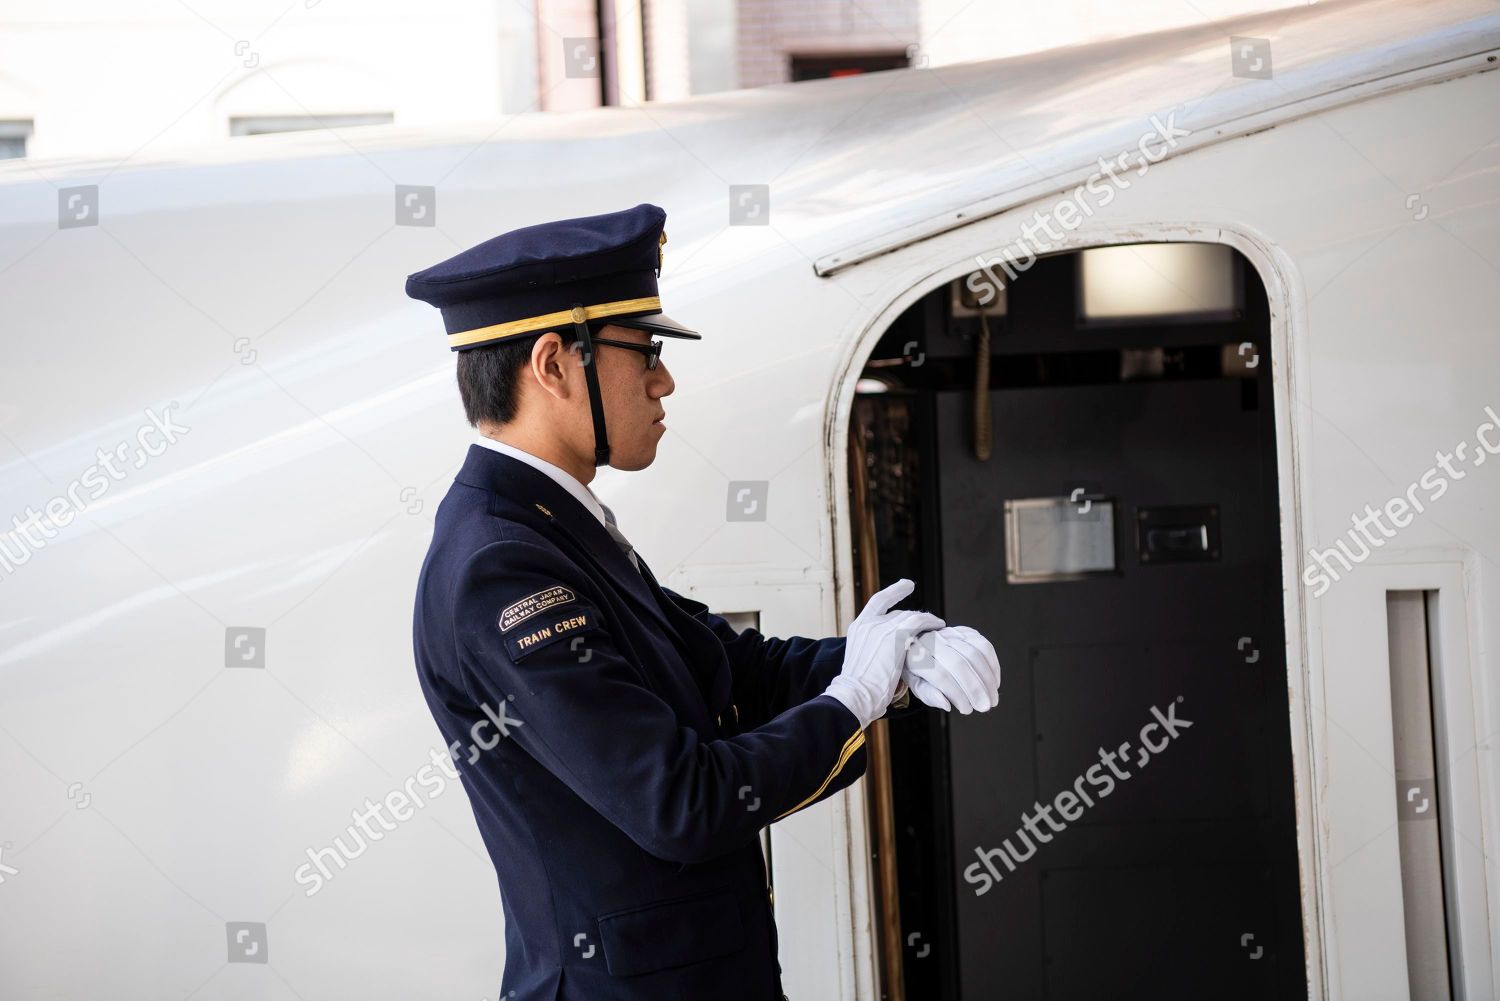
<point>619,537</point>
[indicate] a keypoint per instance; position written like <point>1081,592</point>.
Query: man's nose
<point>664,381</point>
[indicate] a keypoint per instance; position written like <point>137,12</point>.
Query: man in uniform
<point>622,746</point>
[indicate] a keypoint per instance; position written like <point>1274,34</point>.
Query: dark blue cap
<point>531,279</point>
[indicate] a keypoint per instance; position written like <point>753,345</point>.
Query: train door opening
<point>1079,461</point>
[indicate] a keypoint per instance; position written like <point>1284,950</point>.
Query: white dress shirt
<point>563,478</point>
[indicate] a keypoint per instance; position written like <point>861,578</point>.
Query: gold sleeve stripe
<point>546,321</point>
<point>851,745</point>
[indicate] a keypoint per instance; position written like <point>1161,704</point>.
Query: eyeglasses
<point>652,351</point>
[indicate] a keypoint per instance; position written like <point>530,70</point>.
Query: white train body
<point>252,293</point>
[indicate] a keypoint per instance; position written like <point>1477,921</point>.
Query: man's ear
<point>554,365</point>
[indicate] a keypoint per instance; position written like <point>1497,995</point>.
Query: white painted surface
<point>286,505</point>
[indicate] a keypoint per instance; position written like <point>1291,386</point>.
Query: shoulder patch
<point>551,628</point>
<point>513,615</point>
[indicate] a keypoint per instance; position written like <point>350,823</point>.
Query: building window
<point>256,125</point>
<point>13,137</point>
<point>822,66</point>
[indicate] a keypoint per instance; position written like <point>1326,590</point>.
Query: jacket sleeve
<point>772,675</point>
<point>532,635</point>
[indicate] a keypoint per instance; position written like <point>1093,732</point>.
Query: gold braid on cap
<point>515,328</point>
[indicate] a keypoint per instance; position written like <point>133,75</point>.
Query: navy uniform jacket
<point>646,744</point>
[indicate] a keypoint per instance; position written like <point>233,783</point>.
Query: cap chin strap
<point>591,374</point>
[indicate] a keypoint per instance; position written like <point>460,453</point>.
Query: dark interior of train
<point>1081,465</point>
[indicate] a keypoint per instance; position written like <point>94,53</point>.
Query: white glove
<point>954,668</point>
<point>875,651</point>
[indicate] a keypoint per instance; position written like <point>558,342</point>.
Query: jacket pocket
<point>671,933</point>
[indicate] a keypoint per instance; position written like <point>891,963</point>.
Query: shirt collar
<point>564,479</point>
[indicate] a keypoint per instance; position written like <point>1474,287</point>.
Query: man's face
<point>632,398</point>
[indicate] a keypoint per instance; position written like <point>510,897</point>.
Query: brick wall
<point>771,31</point>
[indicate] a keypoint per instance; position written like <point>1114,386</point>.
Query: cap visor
<point>657,323</point>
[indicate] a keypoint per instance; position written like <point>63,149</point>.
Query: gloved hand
<point>953,668</point>
<point>875,651</point>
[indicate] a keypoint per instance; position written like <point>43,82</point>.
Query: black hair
<point>487,378</point>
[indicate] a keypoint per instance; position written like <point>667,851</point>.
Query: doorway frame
<point>1290,382</point>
